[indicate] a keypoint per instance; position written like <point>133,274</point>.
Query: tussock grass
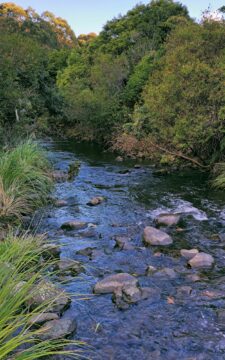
<point>219,181</point>
<point>24,180</point>
<point>20,271</point>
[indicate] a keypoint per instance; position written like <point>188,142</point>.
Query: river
<point>184,320</point>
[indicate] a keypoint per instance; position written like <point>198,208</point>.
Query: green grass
<point>20,271</point>
<point>24,180</point>
<point>219,181</point>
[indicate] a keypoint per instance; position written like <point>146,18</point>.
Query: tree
<point>184,99</point>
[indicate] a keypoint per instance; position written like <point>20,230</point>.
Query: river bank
<point>182,317</point>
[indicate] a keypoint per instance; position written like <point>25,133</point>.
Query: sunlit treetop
<point>47,28</point>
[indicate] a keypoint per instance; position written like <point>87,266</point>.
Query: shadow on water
<point>188,327</point>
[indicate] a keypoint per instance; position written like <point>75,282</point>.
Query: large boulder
<point>154,236</point>
<point>114,283</point>
<point>57,329</point>
<point>167,219</point>
<point>73,225</point>
<point>48,294</point>
<point>189,254</point>
<point>201,261</point>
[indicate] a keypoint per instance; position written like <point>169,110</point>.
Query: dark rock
<point>74,169</point>
<point>70,266</point>
<point>74,225</point>
<point>59,176</point>
<point>48,293</point>
<point>184,291</point>
<point>51,251</point>
<point>150,270</point>
<point>131,294</point>
<point>124,172</point>
<point>42,318</point>
<point>154,236</point>
<point>57,329</point>
<point>86,252</point>
<point>123,243</point>
<point>87,233</point>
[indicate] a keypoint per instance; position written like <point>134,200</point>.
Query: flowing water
<point>180,323</point>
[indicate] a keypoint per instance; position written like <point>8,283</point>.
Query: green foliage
<point>138,79</point>
<point>24,181</point>
<point>104,78</point>
<point>184,98</point>
<point>47,29</point>
<point>143,24</point>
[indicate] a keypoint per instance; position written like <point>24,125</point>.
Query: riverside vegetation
<point>27,261</point>
<point>153,76</point>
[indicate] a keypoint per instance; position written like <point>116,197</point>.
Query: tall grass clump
<point>24,180</point>
<point>20,272</point>
<point>219,172</point>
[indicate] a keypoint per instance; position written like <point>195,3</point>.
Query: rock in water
<point>48,293</point>
<point>95,201</point>
<point>189,254</point>
<point>59,176</point>
<point>51,251</point>
<point>115,283</point>
<point>119,159</point>
<point>123,243</point>
<point>201,260</point>
<point>42,318</point>
<point>154,236</point>
<point>57,329</point>
<point>73,225</point>
<point>167,219</point>
<point>61,203</point>
<point>70,266</point>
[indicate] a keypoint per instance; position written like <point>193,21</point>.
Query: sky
<point>85,16</point>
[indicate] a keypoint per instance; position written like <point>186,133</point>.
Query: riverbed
<point>186,319</point>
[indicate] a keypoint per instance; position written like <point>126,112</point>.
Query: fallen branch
<point>179,154</point>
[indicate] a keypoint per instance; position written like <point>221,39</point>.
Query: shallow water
<point>152,329</point>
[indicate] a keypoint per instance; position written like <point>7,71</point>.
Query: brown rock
<point>167,219</point>
<point>154,236</point>
<point>201,260</point>
<point>57,329</point>
<point>189,254</point>
<point>115,282</point>
<point>73,225</point>
<point>95,201</point>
